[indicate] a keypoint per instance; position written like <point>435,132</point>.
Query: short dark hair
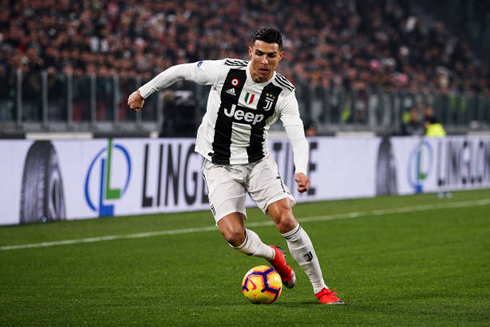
<point>268,35</point>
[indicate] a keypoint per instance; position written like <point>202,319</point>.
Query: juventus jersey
<point>239,111</point>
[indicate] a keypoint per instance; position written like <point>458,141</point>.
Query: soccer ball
<point>262,285</point>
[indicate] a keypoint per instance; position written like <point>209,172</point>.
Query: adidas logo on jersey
<point>231,92</point>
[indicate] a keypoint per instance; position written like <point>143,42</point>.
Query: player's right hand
<point>136,101</point>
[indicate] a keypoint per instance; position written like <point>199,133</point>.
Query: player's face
<point>265,57</point>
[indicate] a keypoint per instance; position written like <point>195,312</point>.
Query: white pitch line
<point>426,207</point>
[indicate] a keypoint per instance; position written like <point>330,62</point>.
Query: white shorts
<point>228,186</point>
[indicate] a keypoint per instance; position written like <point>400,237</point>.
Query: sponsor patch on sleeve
<point>200,63</point>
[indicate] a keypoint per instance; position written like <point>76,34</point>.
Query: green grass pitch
<point>396,261</point>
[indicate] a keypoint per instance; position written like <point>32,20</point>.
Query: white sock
<point>302,251</point>
<point>254,246</point>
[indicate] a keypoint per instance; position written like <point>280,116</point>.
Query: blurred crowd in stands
<point>347,43</point>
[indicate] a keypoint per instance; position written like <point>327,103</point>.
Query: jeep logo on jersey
<point>242,115</point>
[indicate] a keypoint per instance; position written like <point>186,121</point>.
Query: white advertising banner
<point>79,179</point>
<point>441,164</point>
<point>338,168</point>
<point>12,154</point>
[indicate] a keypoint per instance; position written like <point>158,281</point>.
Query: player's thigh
<point>266,185</point>
<point>226,195</point>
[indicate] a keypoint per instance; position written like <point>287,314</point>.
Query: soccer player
<point>246,97</point>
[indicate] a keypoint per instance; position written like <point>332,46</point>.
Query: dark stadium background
<point>68,66</point>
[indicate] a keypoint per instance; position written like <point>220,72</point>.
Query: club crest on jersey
<point>249,98</point>
<point>269,100</point>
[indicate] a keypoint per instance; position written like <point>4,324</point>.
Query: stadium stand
<point>357,64</point>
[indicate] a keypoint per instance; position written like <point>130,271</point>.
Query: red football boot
<point>280,265</point>
<point>327,296</point>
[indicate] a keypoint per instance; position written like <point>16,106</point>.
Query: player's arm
<point>203,72</point>
<point>299,144</point>
<point>296,134</point>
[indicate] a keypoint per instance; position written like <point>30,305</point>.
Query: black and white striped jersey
<point>240,112</point>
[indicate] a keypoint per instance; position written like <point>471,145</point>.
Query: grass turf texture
<point>423,268</point>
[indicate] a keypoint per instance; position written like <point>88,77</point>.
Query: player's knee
<point>287,226</point>
<point>282,215</point>
<point>286,221</point>
<point>232,229</point>
<point>235,237</point>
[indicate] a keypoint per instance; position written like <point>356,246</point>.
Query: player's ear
<point>250,51</point>
<point>281,55</point>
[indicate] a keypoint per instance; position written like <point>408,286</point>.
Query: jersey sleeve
<point>289,114</point>
<point>202,72</point>
<point>300,146</point>
<point>208,71</point>
<point>289,110</point>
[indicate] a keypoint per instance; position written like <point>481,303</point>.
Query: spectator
<point>411,123</point>
<point>432,127</point>
<point>310,128</point>
<point>348,43</point>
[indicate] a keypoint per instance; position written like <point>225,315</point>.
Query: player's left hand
<point>303,182</point>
